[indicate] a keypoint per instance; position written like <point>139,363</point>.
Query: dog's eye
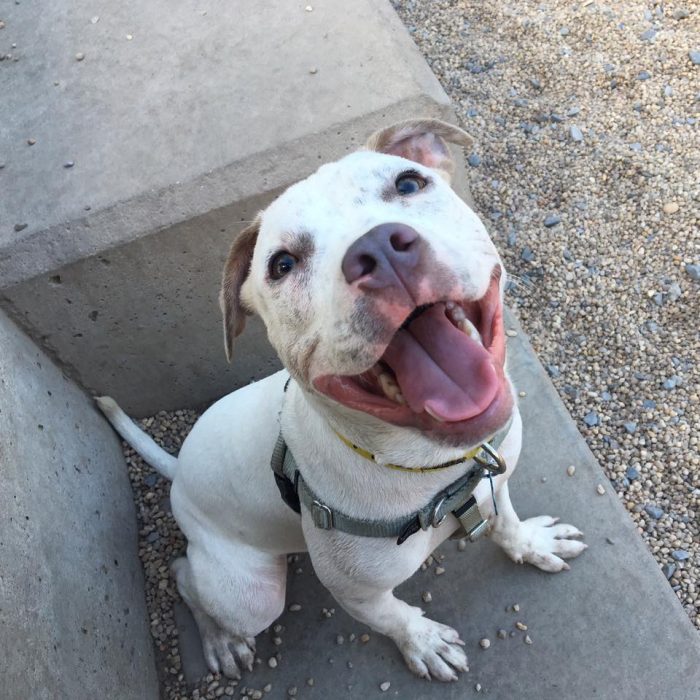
<point>280,264</point>
<point>410,183</point>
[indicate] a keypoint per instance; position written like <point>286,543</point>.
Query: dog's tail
<point>155,455</point>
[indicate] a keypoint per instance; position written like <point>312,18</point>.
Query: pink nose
<point>385,256</point>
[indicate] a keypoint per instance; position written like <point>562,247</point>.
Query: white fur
<point>224,496</point>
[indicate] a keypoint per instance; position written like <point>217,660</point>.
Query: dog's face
<point>380,288</point>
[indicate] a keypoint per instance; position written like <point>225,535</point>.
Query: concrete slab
<point>609,628</point>
<point>177,136</point>
<point>73,620</point>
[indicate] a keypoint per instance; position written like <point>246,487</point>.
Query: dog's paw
<point>542,542</point>
<point>433,650</point>
<point>223,651</point>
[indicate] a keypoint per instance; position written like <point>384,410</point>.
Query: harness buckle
<point>437,518</point>
<point>322,515</point>
<point>490,459</point>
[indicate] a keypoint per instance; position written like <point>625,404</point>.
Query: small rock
<point>591,419</point>
<point>516,607</point>
<point>680,13</point>
<point>427,597</point>
<point>680,554</point>
<point>272,662</point>
<point>484,643</point>
<point>521,626</point>
<point>477,687</point>
<point>308,8</point>
<point>384,686</point>
<point>674,291</point>
<point>643,75</point>
<point>653,511</point>
<point>511,333</point>
<point>564,31</point>
<point>648,35</point>
<point>294,607</point>
<point>552,371</point>
<point>20,227</point>
<point>340,639</point>
<point>313,71</point>
<point>527,639</point>
<point>671,207</point>
<point>668,570</point>
<point>474,160</point>
<point>292,691</point>
<point>310,682</point>
<point>694,56</point>
<point>576,133</point>
<point>439,570</point>
<point>79,56</point>
<point>693,271</point>
<point>527,255</point>
<point>553,219</point>
<point>364,638</point>
<point>69,164</point>
<point>501,634</point>
<point>522,394</point>
<point>632,473</point>
<point>94,20</point>
<point>462,545</point>
<point>609,540</point>
<point>630,427</point>
<point>600,489</point>
<point>573,111</point>
<point>31,142</point>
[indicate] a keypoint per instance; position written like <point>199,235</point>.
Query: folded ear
<point>235,273</point>
<point>423,141</point>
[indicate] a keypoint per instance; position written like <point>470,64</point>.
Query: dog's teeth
<point>390,387</point>
<point>433,415</point>
<point>449,305</point>
<point>466,326</point>
<point>457,313</point>
<point>399,398</point>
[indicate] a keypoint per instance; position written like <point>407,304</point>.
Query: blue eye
<point>281,264</point>
<point>410,183</point>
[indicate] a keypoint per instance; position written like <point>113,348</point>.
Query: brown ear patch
<point>236,271</point>
<point>422,141</point>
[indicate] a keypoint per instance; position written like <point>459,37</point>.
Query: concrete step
<point>178,136</point>
<point>609,628</point>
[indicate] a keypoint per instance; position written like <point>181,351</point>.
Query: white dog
<point>382,293</point>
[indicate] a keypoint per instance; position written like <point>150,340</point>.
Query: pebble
<point>79,56</point>
<point>313,71</point>
<point>384,686</point>
<point>462,545</point>
<point>694,56</point>
<point>571,470</point>
<point>477,687</point>
<point>693,271</point>
<point>554,219</point>
<point>527,639</point>
<point>340,639</point>
<point>630,427</point>
<point>591,419</point>
<point>516,607</point>
<point>364,638</point>
<point>292,691</point>
<point>439,570</point>
<point>680,554</point>
<point>310,682</point>
<point>272,662</point>
<point>484,643</point>
<point>600,490</point>
<point>474,160</point>
<point>31,141</point>
<point>632,473</point>
<point>294,607</point>
<point>521,626</point>
<point>501,634</point>
<point>427,597</point>
<point>671,207</point>
<point>69,164</point>
<point>20,227</point>
<point>668,570</point>
<point>643,75</point>
<point>576,133</point>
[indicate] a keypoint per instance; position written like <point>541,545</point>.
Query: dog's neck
<point>388,443</point>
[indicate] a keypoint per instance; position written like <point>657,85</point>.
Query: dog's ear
<point>235,273</point>
<point>423,141</point>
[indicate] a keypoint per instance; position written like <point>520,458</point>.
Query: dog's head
<point>380,288</point>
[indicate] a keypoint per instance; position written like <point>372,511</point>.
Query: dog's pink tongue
<point>441,369</point>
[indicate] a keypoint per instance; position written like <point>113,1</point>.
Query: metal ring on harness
<point>435,521</point>
<point>493,462</point>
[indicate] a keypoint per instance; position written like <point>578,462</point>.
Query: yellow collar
<point>445,465</point>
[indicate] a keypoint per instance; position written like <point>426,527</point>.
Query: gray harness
<point>456,498</point>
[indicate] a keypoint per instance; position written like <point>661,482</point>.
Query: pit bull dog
<point>381,291</point>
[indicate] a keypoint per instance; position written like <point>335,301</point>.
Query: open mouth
<point>443,370</point>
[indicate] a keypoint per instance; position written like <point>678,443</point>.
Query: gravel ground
<point>586,172</point>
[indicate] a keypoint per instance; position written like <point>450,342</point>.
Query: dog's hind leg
<point>233,598</point>
<point>540,541</point>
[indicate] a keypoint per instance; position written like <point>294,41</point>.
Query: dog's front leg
<point>540,541</point>
<point>361,573</point>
